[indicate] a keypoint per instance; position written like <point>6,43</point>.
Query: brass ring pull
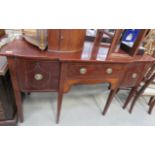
<point>134,75</point>
<point>109,71</point>
<point>38,76</point>
<point>83,71</point>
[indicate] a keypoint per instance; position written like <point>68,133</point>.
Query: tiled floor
<point>82,106</point>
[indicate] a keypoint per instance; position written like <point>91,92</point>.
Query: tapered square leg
<point>16,88</point>
<point>110,97</point>
<point>18,99</point>
<point>59,105</point>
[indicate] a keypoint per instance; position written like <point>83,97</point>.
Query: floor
<point>82,106</point>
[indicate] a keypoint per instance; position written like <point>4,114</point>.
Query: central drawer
<point>38,75</point>
<point>92,70</point>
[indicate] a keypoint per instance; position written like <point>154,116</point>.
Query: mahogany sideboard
<point>33,70</point>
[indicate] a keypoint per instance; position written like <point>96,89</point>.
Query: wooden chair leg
<point>130,96</point>
<point>59,105</point>
<point>117,90</point>
<point>151,106</point>
<point>134,102</point>
<point>110,97</point>
<point>151,99</point>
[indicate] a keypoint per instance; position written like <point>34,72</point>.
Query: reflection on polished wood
<point>23,49</point>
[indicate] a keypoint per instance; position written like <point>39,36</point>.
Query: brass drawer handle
<point>38,76</point>
<point>61,37</point>
<point>134,75</point>
<point>83,71</point>
<point>109,71</point>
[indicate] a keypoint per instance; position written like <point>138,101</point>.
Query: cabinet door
<point>38,75</point>
<point>53,40</point>
<point>72,40</point>
<point>69,40</point>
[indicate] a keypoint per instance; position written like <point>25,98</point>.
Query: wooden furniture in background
<point>147,89</point>
<point>2,32</point>
<point>66,40</point>
<point>33,70</point>
<point>138,42</point>
<point>150,43</point>
<point>7,101</point>
<point>135,93</point>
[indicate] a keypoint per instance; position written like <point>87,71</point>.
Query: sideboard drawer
<point>96,71</point>
<point>38,75</point>
<point>134,74</point>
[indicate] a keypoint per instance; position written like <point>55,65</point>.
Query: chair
<point>148,86</point>
<point>148,89</point>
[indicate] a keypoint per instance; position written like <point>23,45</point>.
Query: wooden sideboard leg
<point>59,105</point>
<point>131,94</point>
<point>17,93</point>
<point>151,106</point>
<point>110,97</point>
<point>18,99</point>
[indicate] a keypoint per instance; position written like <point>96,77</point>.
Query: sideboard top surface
<point>21,48</point>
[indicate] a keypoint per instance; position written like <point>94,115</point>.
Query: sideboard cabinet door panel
<point>38,75</point>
